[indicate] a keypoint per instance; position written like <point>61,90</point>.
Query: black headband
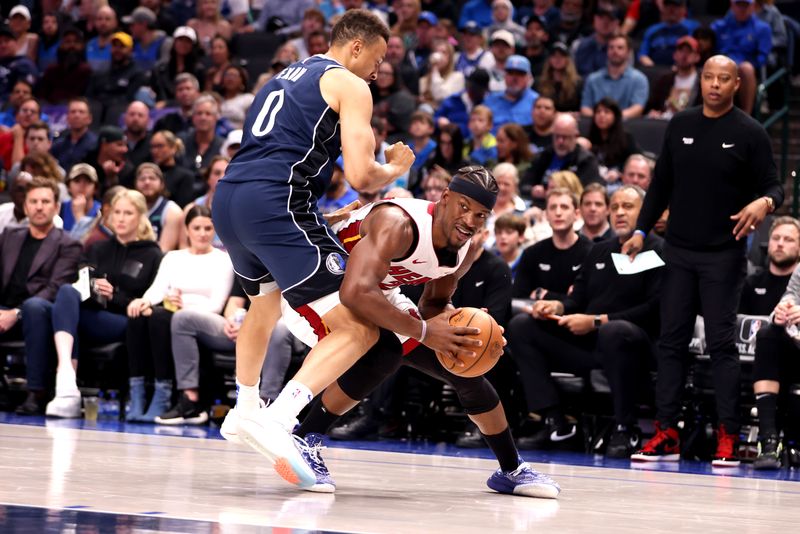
<point>473,191</point>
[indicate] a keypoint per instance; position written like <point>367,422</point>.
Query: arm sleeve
<point>657,198</point>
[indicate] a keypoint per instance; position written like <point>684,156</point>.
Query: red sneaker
<point>665,446</point>
<point>727,449</point>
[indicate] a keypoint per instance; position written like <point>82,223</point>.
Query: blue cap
<point>519,63</point>
<point>472,27</point>
<point>428,17</point>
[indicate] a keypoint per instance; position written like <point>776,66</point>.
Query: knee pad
<point>477,395</point>
<point>378,364</point>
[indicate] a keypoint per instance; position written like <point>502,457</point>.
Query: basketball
<point>487,354</point>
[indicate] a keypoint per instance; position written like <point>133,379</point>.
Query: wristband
<point>640,232</point>
<point>424,332</point>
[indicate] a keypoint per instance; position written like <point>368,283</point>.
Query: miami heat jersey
<point>290,135</point>
<point>422,264</point>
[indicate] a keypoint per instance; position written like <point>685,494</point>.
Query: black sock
<point>767,404</point>
<point>503,447</point>
<point>318,420</point>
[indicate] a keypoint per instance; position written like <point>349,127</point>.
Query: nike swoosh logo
<point>576,267</point>
<point>479,284</point>
<point>725,145</point>
<point>555,436</point>
<point>417,262</point>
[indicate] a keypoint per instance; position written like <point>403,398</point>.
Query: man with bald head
<point>137,119</point>
<point>637,171</point>
<point>98,50</point>
<point>717,174</point>
<point>564,155</point>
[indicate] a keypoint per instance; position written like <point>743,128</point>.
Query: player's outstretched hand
<point>451,341</point>
<point>400,156</point>
<point>342,213</point>
<point>633,246</point>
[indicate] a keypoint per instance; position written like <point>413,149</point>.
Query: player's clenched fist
<point>401,156</point>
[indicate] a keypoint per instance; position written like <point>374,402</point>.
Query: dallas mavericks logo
<point>335,263</point>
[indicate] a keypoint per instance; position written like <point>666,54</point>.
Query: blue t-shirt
<point>660,40</point>
<point>69,218</point>
<point>504,110</point>
<point>750,40</point>
<point>98,57</point>
<point>629,89</point>
<point>327,205</point>
<point>422,154</point>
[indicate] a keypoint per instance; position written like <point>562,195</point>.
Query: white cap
<point>503,36</point>
<point>20,10</point>
<point>234,138</point>
<point>185,31</point>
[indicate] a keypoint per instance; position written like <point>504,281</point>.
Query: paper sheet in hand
<point>82,285</point>
<point>644,262</point>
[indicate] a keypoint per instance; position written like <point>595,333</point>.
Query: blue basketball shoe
<point>524,480</point>
<point>311,450</point>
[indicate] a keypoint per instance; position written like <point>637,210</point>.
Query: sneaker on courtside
<point>311,449</point>
<point>665,446</point>
<point>524,480</point>
<point>770,452</point>
<point>66,407</point>
<point>727,445</point>
<point>185,412</point>
<point>230,425</point>
<point>270,437</point>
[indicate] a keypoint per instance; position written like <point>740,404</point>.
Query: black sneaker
<point>186,412</point>
<point>552,435</point>
<point>363,427</point>
<point>623,442</point>
<point>793,455</point>
<point>471,439</point>
<point>770,450</point>
<point>33,404</point>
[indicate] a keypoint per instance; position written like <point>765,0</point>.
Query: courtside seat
<point>105,367</point>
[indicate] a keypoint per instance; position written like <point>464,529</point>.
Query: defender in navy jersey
<point>265,212</point>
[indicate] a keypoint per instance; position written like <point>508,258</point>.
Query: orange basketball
<point>487,354</point>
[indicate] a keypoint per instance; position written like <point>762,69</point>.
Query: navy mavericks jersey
<point>290,135</point>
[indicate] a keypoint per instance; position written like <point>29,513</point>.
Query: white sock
<point>66,382</point>
<point>247,397</point>
<point>292,399</point>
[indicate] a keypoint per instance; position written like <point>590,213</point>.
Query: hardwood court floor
<point>219,487</point>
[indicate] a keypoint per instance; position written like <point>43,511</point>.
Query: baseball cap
<point>110,134</point>
<point>518,63</point>
<point>234,138</point>
<point>20,10</point>
<point>472,27</point>
<point>141,14</point>
<point>560,46</point>
<point>478,78</point>
<point>504,36</point>
<point>124,38</point>
<point>82,169</point>
<point>430,18</point>
<point>185,31</point>
<point>690,41</point>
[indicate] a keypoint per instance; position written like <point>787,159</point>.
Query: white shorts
<point>306,323</point>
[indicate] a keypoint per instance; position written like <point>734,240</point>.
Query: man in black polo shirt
<point>717,174</point>
<point>608,322</point>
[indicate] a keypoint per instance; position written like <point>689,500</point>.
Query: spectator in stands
<point>444,9</point>
<point>137,119</point>
<point>424,41</point>
<point>150,43</point>
<point>12,142</point>
<point>594,212</point>
<point>501,46</point>
<point>407,12</point>
<point>775,371</point>
<point>219,59</point>
<point>202,142</point>
<point>590,52</point>
<point>164,17</point>
<point>540,132</point>
<point>608,321</point>
<point>611,144</point>
<point>535,44</point>
<point>661,40</point>
<point>502,19</point>
<point>19,20</point>
<point>472,55</point>
<point>196,279</point>
<point>618,80</point>
<point>208,23</point>
<point>706,43</point>
<point>545,10</point>
<point>72,146</point>
<point>79,211</point>
<point>515,103</point>
<point>37,141</point>
<point>288,13</point>
<point>12,214</point>
<point>421,139</point>
<point>569,25</point>
<point>457,108</point>
<point>512,147</point>
<point>766,11</point>
<point>20,92</point>
<point>45,166</point>
<point>164,214</point>
<point>214,173</point>
<point>565,154</point>
<point>318,43</point>
<point>509,234</point>
<point>560,80</point>
<point>478,11</point>
<point>508,199</point>
<point>481,145</point>
<point>679,88</point>
<point>165,150</point>
<point>433,184</point>
<point>110,160</point>
<point>449,150</point>
<point>404,63</point>
<point>120,269</point>
<point>98,49</point>
<point>187,89</point>
<point>285,56</point>
<point>101,228</point>
<point>548,268</point>
<point>51,34</point>
<point>638,171</point>
<point>441,81</point>
<point>763,290</point>
<point>184,58</point>
<point>13,67</point>
<point>118,85</point>
<point>392,102</point>
<point>35,260</point>
<point>313,21</point>
<point>68,76</point>
<point>236,99</point>
<point>747,40</point>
